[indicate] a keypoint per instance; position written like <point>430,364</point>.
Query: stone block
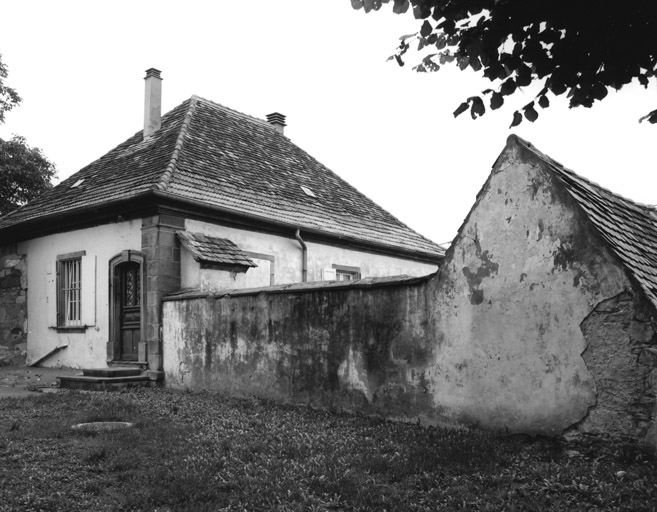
<point>154,361</point>
<point>167,238</point>
<point>172,221</point>
<point>10,281</point>
<point>648,356</point>
<point>169,269</point>
<point>150,221</point>
<point>640,332</point>
<point>652,380</point>
<point>148,238</point>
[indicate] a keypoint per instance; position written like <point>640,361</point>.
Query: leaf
<point>429,63</point>
<point>401,6</point>
<point>651,117</point>
<point>399,60</point>
<point>441,42</point>
<point>508,87</point>
<point>446,57</point>
<point>426,29</point>
<point>599,91</point>
<point>475,64</point>
<point>496,101</point>
<point>530,113</point>
<point>371,5</point>
<point>462,108</point>
<point>478,109</point>
<point>517,119</point>
<point>643,80</point>
<point>463,62</point>
<point>421,11</point>
<point>543,101</point>
<point>356,4</point>
<point>523,76</point>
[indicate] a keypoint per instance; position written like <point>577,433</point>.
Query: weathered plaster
<point>524,271</point>
<point>511,334</point>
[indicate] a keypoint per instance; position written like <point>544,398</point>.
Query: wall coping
<point>366,283</point>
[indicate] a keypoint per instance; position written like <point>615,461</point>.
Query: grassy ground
<point>200,452</point>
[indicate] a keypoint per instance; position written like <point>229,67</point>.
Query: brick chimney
<point>152,102</point>
<point>277,121</point>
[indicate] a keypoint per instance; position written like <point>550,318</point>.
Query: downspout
<point>304,264</point>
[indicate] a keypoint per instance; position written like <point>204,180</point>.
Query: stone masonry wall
<point>362,347</point>
<point>621,354</point>
<point>13,309</point>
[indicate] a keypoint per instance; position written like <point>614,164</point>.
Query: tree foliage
<point>579,47</point>
<point>25,173</point>
<point>9,98</point>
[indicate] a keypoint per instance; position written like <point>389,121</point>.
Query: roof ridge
<point>233,111</point>
<point>171,167</point>
<point>562,168</point>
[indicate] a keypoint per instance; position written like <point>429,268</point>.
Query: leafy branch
<point>582,49</point>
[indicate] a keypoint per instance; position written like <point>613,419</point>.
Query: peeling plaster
<point>492,340</point>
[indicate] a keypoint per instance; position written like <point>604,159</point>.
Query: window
<point>69,290</point>
<point>341,273</point>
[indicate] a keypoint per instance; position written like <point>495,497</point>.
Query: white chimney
<point>277,121</point>
<point>152,102</point>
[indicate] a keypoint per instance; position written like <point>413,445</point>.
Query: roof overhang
<point>152,202</point>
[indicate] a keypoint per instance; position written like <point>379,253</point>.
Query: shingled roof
<point>208,154</point>
<point>629,228</point>
<point>209,249</point>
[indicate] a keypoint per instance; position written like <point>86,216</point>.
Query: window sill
<point>71,329</point>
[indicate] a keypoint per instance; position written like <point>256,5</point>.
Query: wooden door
<point>129,310</point>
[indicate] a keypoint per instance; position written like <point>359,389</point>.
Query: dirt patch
<point>17,379</point>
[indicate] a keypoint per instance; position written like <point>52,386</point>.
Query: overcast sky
<point>79,66</point>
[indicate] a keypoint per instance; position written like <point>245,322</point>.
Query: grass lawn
<point>202,452</point>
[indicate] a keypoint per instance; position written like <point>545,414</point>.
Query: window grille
<point>70,292</point>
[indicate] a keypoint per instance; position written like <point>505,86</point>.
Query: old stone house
<point>541,319</point>
<point>202,197</point>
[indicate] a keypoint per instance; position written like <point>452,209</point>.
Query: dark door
<point>129,309</point>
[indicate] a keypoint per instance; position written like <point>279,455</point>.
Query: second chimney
<point>277,121</point>
<point>152,102</point>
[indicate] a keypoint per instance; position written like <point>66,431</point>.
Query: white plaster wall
<point>190,270</point>
<point>101,243</point>
<point>288,254</point>
<point>371,265</point>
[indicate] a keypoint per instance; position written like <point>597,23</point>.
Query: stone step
<point>97,383</point>
<point>111,372</point>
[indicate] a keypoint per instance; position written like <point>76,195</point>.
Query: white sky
<point>79,66</point>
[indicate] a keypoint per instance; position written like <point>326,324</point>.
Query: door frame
<point>114,343</point>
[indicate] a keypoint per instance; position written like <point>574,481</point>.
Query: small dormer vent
<point>307,191</point>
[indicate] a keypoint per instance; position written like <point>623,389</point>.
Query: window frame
<point>66,263</point>
<point>347,270</point>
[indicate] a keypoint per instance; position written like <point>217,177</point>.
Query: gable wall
<point>101,243</point>
<point>525,271</point>
<point>532,325</point>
